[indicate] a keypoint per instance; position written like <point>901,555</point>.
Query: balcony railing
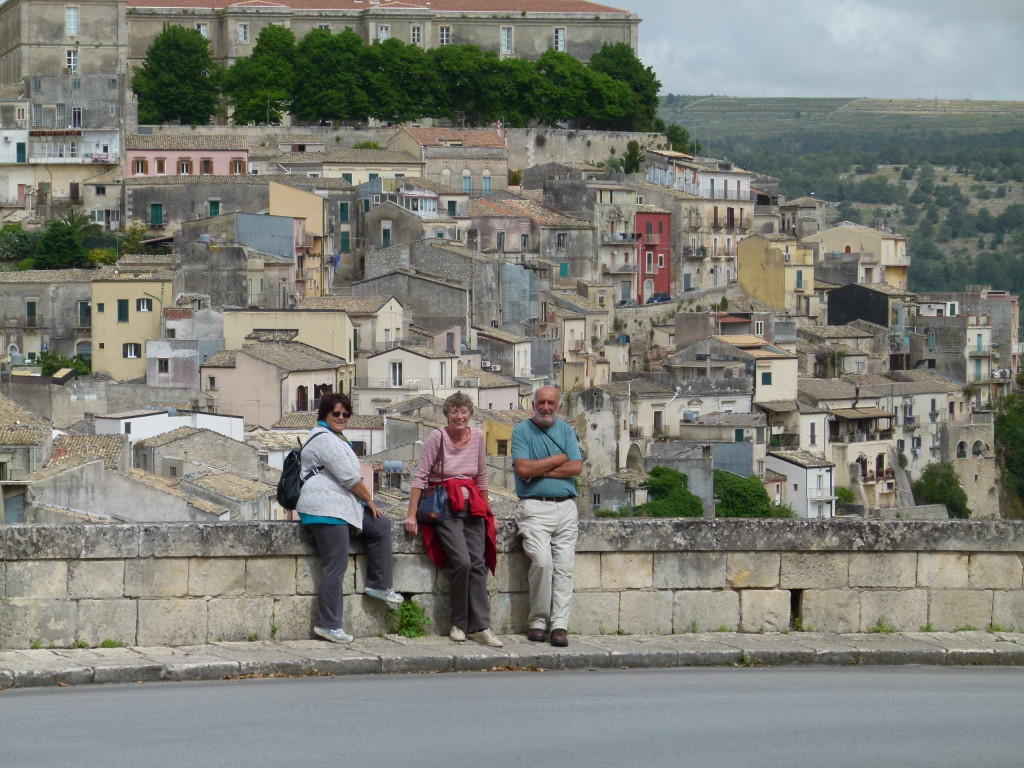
<point>636,432</point>
<point>620,237</point>
<point>983,351</point>
<point>785,440</point>
<point>390,383</point>
<point>614,268</point>
<point>651,239</point>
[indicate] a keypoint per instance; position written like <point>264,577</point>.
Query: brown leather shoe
<point>559,638</point>
<point>535,635</point>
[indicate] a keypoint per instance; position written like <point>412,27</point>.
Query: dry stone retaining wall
<point>188,583</point>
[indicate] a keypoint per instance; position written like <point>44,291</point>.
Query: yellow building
<point>330,330</point>
<point>314,272</point>
<point>882,254</point>
<point>127,310</point>
<point>779,271</point>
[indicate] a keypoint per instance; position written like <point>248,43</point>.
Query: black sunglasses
<point>341,414</point>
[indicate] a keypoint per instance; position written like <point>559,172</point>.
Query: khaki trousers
<point>549,530</point>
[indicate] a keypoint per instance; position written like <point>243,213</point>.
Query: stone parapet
<point>192,583</point>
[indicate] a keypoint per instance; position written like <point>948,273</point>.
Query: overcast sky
<point>955,49</point>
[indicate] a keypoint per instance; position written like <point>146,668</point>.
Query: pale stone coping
<point>79,541</point>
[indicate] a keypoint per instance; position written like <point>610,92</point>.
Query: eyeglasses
<point>341,414</point>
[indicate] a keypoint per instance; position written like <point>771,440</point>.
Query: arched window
<point>446,177</point>
<point>467,181</point>
<point>302,398</point>
<point>486,183</point>
<point>978,449</point>
<point>961,450</point>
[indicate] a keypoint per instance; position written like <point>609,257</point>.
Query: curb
<point>393,654</point>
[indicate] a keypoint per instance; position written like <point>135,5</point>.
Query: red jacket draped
<point>478,507</point>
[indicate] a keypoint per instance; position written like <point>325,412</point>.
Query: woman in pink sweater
<point>456,457</point>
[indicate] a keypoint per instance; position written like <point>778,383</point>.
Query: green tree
<point>178,81</point>
<point>132,235</point>
<point>467,85</point>
<point>15,243</point>
<point>634,157</point>
<point>51,362</point>
<point>740,496</point>
<point>939,484</point>
<point>564,95</point>
<point>62,244</point>
<point>329,81</point>
<point>669,495</point>
<point>620,62</point>
<point>259,87</point>
<point>679,140</point>
<point>398,77</point>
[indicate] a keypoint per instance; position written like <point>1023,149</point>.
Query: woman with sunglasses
<point>335,505</point>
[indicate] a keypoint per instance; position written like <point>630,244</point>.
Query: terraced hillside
<point>717,117</point>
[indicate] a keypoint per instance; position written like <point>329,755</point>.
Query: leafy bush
<point>669,493</point>
<point>740,496</point>
<point>939,484</point>
<point>845,495</point>
<point>409,620</point>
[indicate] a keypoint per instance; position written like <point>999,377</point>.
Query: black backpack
<point>290,485</point>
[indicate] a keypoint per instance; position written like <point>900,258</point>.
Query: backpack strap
<point>314,470</point>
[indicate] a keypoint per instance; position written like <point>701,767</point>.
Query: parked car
<point>660,297</point>
<point>625,303</point>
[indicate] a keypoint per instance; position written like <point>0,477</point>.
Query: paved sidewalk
<point>394,654</point>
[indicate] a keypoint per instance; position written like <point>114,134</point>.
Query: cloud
<point>875,48</point>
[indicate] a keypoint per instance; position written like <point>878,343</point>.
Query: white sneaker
<point>338,635</point>
<point>388,596</point>
<point>457,635</point>
<point>488,638</point>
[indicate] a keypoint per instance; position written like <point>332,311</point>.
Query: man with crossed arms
<point>546,456</point>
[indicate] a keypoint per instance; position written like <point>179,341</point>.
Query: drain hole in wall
<point>796,605</point>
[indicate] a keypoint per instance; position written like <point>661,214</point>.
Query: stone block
<point>172,622</point>
<point>100,620</point>
<point>830,610</point>
<point>954,609</point>
<point>366,617</point>
<point>705,610</point>
<point>904,609</point>
<point>883,569</point>
<point>764,610</point>
<point>156,577</point>
<point>416,574</point>
<point>645,613</point>
<point>749,570</point>
<point>1008,611</point>
<point>37,579</point>
<point>689,570</point>
<point>216,576</point>
<point>269,576</point>
<point>293,618</point>
<point>814,570</point>
<point>96,579</point>
<point>595,613</point>
<point>511,573</point>
<point>995,571</point>
<point>510,610</point>
<point>587,571</point>
<point>309,570</point>
<point>627,570</point>
<point>24,623</point>
<point>239,618</point>
<point>942,570</point>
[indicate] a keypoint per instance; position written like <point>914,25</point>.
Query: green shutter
<point>343,212</point>
<point>122,310</point>
<point>344,247</point>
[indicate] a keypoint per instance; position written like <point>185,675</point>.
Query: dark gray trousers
<point>465,540</point>
<point>332,541</point>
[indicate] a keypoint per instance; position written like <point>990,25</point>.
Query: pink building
<point>185,155</point>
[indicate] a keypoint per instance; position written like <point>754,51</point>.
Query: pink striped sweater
<point>469,461</point>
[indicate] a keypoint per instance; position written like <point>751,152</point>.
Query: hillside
<point>716,117</point>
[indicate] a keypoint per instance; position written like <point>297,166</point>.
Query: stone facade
<point>181,584</point>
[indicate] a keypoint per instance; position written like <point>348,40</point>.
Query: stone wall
<point>186,583</point>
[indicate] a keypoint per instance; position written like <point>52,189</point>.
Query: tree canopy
<point>327,77</point>
<point>939,484</point>
<point>178,81</point>
<point>669,495</point>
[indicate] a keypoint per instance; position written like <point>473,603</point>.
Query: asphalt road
<point>822,717</point>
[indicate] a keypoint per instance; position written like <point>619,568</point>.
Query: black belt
<point>558,499</point>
